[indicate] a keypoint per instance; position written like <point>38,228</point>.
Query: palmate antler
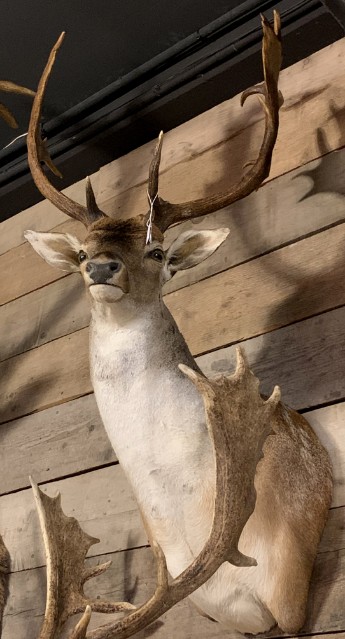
<point>166,213</point>
<point>4,577</point>
<point>238,420</point>
<point>66,546</point>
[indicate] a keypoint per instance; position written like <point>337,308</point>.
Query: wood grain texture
<point>101,500</point>
<point>70,438</point>
<point>258,224</point>
<point>44,315</point>
<point>45,376</point>
<point>305,359</point>
<point>53,443</point>
<point>132,576</point>
<point>270,292</point>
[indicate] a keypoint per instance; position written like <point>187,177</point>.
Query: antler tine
<point>238,423</point>
<point>11,87</point>
<point>66,545</point>
<point>80,630</point>
<point>167,213</point>
<point>37,152</point>
<point>152,188</point>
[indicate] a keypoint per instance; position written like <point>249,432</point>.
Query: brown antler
<point>238,421</point>
<point>38,152</point>
<point>4,577</point>
<point>66,545</point>
<point>167,213</point>
<point>11,87</point>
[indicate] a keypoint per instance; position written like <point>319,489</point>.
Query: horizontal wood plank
<point>45,376</point>
<point>53,443</point>
<point>275,290</point>
<point>132,577</point>
<point>40,378</point>
<point>44,315</point>
<point>258,225</point>
<point>305,359</point>
<point>101,500</point>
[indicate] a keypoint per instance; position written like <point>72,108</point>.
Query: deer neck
<point>136,337</point>
<point>152,413</point>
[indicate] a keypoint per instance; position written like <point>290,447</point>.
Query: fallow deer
<point>157,408</point>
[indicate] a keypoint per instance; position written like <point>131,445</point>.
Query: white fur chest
<point>155,421</point>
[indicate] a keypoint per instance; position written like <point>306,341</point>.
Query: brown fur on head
<point>115,260</point>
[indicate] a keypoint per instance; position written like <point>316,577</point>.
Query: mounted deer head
<point>159,411</point>
<point>115,259</point>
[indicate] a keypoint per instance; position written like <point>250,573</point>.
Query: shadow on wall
<point>4,578</point>
<point>34,386</point>
<point>274,356</point>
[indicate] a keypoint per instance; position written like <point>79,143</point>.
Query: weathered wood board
<point>53,443</point>
<point>306,359</point>
<point>102,501</point>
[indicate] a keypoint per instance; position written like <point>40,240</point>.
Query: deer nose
<point>101,272</point>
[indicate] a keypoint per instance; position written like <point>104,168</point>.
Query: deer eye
<point>82,256</point>
<point>157,255</point>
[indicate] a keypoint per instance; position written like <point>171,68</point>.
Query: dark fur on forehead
<point>123,231</point>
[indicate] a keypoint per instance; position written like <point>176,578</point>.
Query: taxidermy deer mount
<point>215,510</point>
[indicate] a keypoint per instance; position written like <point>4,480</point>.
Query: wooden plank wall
<point>277,285</point>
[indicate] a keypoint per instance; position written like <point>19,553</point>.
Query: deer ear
<point>58,249</point>
<point>192,247</point>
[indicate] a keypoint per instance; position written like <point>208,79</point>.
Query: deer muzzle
<point>102,272</point>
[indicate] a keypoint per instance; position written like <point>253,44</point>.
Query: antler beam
<point>38,152</point>
<point>167,213</point>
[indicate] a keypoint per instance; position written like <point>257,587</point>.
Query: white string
<point>15,139</point>
<point>150,220</point>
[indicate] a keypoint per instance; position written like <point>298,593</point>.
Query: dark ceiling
<point>129,68</point>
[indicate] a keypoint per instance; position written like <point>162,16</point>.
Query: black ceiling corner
<point>129,69</point>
